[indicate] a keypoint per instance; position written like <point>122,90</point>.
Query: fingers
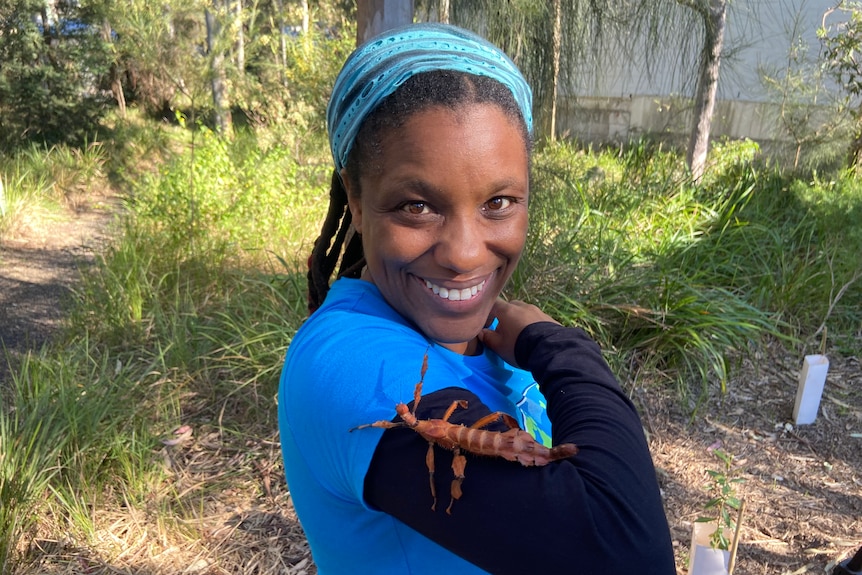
<point>496,343</point>
<point>513,317</point>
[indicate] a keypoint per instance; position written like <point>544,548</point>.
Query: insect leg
<point>510,421</point>
<point>417,391</point>
<point>455,404</point>
<point>429,462</point>
<point>459,462</point>
<point>382,424</point>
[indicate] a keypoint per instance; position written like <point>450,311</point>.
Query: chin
<point>447,336</point>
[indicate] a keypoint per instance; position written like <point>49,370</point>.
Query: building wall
<point>623,100</point>
<point>618,119</point>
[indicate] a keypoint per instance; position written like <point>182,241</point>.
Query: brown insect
<point>515,444</point>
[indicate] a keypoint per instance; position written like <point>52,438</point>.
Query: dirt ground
<point>40,260</point>
<point>802,485</point>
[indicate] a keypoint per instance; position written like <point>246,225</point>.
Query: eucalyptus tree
<point>842,46</point>
<point>713,15</point>
<point>560,43</point>
<point>159,47</point>
<point>52,60</point>
<point>174,55</point>
<point>214,15</point>
<point>376,16</point>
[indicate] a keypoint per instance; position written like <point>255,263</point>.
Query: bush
<point>685,277</point>
<point>50,76</point>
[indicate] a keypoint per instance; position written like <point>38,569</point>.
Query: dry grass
<point>803,486</point>
<point>237,518</point>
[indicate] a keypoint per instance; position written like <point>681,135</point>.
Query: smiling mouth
<point>456,294</point>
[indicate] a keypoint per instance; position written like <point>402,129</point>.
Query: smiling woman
<point>440,244</point>
<point>429,127</point>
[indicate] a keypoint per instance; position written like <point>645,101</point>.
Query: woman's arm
<point>596,512</point>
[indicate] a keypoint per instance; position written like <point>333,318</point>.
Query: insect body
<point>515,444</point>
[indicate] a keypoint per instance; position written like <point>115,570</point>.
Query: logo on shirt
<point>534,415</point>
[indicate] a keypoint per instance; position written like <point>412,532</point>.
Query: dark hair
<point>443,88</point>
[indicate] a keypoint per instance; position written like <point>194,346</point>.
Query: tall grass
<point>686,277</point>
<point>38,181</point>
<point>186,316</point>
<point>27,466</point>
<point>62,424</point>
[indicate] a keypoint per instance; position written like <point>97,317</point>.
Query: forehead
<point>439,130</point>
<point>459,121</point>
<point>446,148</point>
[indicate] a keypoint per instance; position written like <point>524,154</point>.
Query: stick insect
<point>515,444</point>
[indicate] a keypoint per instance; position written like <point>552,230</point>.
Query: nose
<point>461,246</point>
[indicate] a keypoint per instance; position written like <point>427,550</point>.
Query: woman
<point>430,133</point>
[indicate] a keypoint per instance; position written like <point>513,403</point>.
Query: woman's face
<point>443,218</point>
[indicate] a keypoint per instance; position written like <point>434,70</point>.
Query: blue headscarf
<point>377,68</point>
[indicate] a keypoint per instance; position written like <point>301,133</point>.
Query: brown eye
<point>499,203</point>
<point>415,208</point>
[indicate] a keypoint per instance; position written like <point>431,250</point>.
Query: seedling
<point>724,504</point>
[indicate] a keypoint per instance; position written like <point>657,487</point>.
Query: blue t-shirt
<point>348,365</point>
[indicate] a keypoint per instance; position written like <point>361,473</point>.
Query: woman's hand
<point>513,317</point>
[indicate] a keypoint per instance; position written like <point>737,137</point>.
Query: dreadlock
<point>325,253</point>
<point>441,88</point>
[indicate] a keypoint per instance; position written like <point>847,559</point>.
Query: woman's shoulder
<point>358,365</point>
<point>356,295</point>
<point>351,335</point>
<point>353,317</point>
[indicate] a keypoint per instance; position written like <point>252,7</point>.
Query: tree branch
<point>696,5</point>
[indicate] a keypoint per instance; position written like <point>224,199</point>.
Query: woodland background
<point>138,434</point>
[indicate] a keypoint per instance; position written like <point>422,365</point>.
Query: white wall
<point>624,99</point>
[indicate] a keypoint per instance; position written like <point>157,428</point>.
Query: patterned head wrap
<point>377,68</point>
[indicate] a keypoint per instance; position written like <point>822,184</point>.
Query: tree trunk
<point>714,13</point>
<point>46,22</point>
<point>283,44</point>
<point>557,47</point>
<point>376,16</point>
<point>443,17</point>
<point>240,39</point>
<point>219,84</point>
<point>307,41</point>
<point>115,72</point>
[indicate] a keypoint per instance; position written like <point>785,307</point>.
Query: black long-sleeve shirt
<point>597,512</point>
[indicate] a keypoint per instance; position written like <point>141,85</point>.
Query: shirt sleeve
<point>599,511</point>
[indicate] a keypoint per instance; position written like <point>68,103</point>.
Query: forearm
<point>598,510</point>
<point>585,402</point>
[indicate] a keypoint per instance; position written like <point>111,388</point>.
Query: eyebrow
<point>426,188</point>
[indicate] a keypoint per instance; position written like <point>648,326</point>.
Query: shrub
<point>50,77</point>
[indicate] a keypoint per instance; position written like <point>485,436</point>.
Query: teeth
<point>455,294</point>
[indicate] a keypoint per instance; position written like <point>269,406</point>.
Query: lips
<point>453,294</point>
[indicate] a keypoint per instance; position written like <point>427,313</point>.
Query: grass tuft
<point>157,404</point>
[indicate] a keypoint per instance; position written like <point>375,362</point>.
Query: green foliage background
<point>50,75</point>
<point>186,315</point>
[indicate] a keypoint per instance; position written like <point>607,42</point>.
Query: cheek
<point>514,237</point>
<point>391,246</point>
